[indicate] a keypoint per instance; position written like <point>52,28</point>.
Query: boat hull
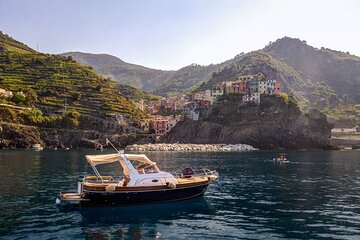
<point>139,197</point>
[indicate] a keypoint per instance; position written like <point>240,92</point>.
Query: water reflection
<point>137,221</point>
<point>141,213</point>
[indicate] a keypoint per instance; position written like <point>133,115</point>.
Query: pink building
<point>160,124</point>
<point>277,88</point>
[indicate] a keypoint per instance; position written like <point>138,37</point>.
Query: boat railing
<point>189,172</point>
<point>96,179</point>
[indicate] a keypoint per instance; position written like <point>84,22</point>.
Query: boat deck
<point>192,179</point>
<point>119,185</point>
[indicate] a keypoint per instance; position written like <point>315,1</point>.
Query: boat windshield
<point>145,169</point>
<point>142,163</point>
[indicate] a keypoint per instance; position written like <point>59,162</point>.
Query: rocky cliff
<point>275,123</point>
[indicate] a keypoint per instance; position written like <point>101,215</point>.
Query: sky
<point>170,34</point>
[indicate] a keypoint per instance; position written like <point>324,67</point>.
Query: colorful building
<point>263,87</point>
<point>158,124</point>
<point>253,86</point>
<point>217,91</point>
<point>245,77</point>
<point>273,87</point>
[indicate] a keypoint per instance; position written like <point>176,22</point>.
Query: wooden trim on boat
<point>183,183</point>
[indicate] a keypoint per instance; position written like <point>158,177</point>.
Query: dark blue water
<point>315,196</point>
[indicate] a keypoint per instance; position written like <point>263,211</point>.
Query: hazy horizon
<point>169,35</point>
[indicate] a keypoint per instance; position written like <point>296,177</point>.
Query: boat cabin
<point>138,170</point>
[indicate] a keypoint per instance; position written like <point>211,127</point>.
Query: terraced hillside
<point>50,81</point>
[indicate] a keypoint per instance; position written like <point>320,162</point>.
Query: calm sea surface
<point>314,196</point>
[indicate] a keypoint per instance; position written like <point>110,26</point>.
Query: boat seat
<point>187,172</point>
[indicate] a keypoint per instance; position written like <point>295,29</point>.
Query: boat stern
<point>71,198</point>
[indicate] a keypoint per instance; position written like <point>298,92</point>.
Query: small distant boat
<point>37,147</point>
<point>281,158</point>
<point>142,182</point>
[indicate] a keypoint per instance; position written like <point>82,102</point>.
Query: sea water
<point>314,196</point>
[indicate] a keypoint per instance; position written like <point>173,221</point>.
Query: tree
<point>98,87</point>
<point>285,97</point>
<point>75,96</point>
<point>34,116</point>
<point>71,119</point>
<point>18,98</point>
<point>31,97</point>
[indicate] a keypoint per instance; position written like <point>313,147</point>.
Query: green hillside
<point>188,77</point>
<point>331,74</point>
<point>9,44</point>
<point>49,81</point>
<point>317,78</point>
<point>134,75</point>
<point>153,80</point>
<point>137,94</point>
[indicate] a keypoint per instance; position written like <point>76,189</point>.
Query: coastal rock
<point>274,123</point>
<point>190,147</point>
<point>17,136</point>
<point>23,136</point>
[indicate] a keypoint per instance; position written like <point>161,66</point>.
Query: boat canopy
<point>102,159</point>
<point>139,158</point>
<point>124,160</point>
<point>109,158</point>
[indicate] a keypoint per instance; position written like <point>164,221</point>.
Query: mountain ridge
<point>317,78</point>
<point>154,80</point>
<point>115,68</point>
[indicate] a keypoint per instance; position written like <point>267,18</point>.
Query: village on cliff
<point>189,106</point>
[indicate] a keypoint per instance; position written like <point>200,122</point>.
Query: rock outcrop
<point>274,123</point>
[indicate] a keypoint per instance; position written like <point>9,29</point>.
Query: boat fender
<point>57,201</point>
<point>110,188</point>
<point>171,185</point>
